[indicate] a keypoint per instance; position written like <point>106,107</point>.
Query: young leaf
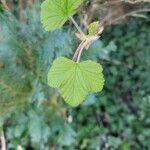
<point>54,13</point>
<point>75,80</point>
<point>93,28</point>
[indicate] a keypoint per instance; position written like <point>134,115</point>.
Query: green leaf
<point>75,80</point>
<point>54,13</point>
<point>93,28</point>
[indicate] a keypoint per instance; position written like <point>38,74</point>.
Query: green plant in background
<point>73,79</point>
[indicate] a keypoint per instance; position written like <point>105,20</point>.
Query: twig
<point>5,5</point>
<point>77,51</point>
<point>77,26</point>
<point>130,13</point>
<point>135,1</point>
<point>80,51</point>
<point>84,44</point>
<point>80,48</point>
<point>139,15</point>
<point>3,141</point>
<point>108,3</point>
<point>123,16</point>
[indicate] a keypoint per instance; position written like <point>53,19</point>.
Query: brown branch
<point>5,5</point>
<point>130,13</point>
<point>80,47</point>
<point>103,22</point>
<point>108,3</point>
<point>136,1</point>
<point>85,43</point>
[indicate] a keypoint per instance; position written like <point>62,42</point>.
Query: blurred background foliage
<point>34,115</point>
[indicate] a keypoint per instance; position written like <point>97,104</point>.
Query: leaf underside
<point>54,13</point>
<point>75,80</point>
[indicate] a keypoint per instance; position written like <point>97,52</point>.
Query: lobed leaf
<point>54,13</point>
<point>75,80</point>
